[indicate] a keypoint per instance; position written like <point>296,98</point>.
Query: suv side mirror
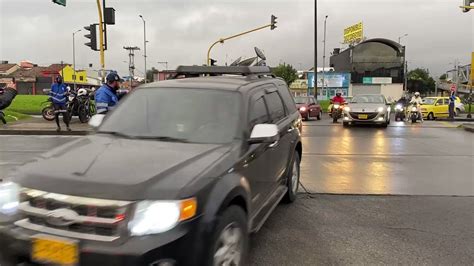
<point>96,120</point>
<point>264,133</point>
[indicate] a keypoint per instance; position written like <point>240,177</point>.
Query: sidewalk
<point>460,118</point>
<point>39,126</point>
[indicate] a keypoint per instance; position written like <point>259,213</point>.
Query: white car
<point>367,109</point>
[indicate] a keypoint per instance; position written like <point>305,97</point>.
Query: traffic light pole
<point>101,40</point>
<point>222,40</point>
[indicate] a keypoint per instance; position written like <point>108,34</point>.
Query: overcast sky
<point>180,31</point>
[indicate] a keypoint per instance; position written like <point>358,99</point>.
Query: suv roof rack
<point>194,71</point>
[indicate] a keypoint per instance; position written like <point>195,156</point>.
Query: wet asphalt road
<point>433,159</point>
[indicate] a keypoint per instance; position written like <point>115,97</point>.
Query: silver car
<point>367,109</point>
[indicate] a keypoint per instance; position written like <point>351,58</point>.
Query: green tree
<point>286,72</point>
<point>150,74</point>
<point>420,80</point>
<point>443,77</point>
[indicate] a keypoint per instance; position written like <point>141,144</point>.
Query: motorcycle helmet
<point>82,92</point>
<point>59,79</point>
<point>338,93</point>
<point>417,94</point>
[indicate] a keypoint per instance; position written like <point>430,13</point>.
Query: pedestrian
<point>7,94</point>
<point>452,102</point>
<point>58,96</point>
<point>106,96</point>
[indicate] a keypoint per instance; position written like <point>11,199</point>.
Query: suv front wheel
<point>230,239</point>
<point>293,179</point>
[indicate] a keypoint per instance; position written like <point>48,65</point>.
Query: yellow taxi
<point>436,107</point>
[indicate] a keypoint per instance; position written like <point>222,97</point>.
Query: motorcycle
<point>400,112</point>
<point>414,114</point>
<point>336,111</point>
<point>48,111</point>
<point>80,104</point>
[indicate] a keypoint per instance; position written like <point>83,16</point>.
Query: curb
<point>468,127</point>
<point>456,120</point>
<point>44,132</point>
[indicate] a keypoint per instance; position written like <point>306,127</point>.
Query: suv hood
<point>103,166</point>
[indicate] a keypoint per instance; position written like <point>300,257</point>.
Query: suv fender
<point>229,189</point>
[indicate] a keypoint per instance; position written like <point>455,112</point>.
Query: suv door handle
<point>290,130</point>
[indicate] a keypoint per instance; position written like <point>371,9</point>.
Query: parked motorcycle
<point>80,104</point>
<point>336,111</point>
<point>48,110</point>
<point>400,112</point>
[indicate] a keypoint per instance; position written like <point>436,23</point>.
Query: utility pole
<point>131,61</point>
<point>315,49</point>
<point>165,63</point>
<point>144,44</point>
<point>324,57</point>
<point>74,58</point>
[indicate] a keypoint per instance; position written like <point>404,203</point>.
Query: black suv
<point>179,173</point>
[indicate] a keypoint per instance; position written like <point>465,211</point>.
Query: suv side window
<point>275,107</point>
<point>287,98</point>
<point>258,112</point>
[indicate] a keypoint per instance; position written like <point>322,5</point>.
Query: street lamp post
<point>144,43</point>
<point>324,57</point>
<point>401,37</point>
<point>405,68</point>
<point>74,57</point>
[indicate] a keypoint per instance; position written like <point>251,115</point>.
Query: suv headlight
<point>9,197</point>
<point>380,109</point>
<point>154,217</point>
<point>347,109</point>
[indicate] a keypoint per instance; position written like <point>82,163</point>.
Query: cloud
<point>181,31</point>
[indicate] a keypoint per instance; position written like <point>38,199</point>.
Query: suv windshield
<point>183,115</point>
<point>301,100</point>
<point>368,99</point>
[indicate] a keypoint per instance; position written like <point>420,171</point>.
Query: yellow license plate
<point>54,250</point>
<point>363,116</point>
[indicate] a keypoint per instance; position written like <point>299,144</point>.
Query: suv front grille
<point>72,216</point>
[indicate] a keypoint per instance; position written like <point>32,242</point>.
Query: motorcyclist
<point>58,96</point>
<point>106,96</point>
<point>416,101</point>
<point>7,95</point>
<point>338,98</point>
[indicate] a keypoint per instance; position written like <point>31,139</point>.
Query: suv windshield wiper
<point>163,138</point>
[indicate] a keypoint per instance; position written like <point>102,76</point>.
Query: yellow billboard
<point>354,33</point>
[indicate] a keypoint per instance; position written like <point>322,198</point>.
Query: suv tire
<point>230,237</point>
<point>293,179</point>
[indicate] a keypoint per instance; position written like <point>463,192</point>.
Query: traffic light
<point>467,3</point>
<point>92,36</point>
<point>273,22</point>
<point>213,62</point>
<point>60,2</point>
